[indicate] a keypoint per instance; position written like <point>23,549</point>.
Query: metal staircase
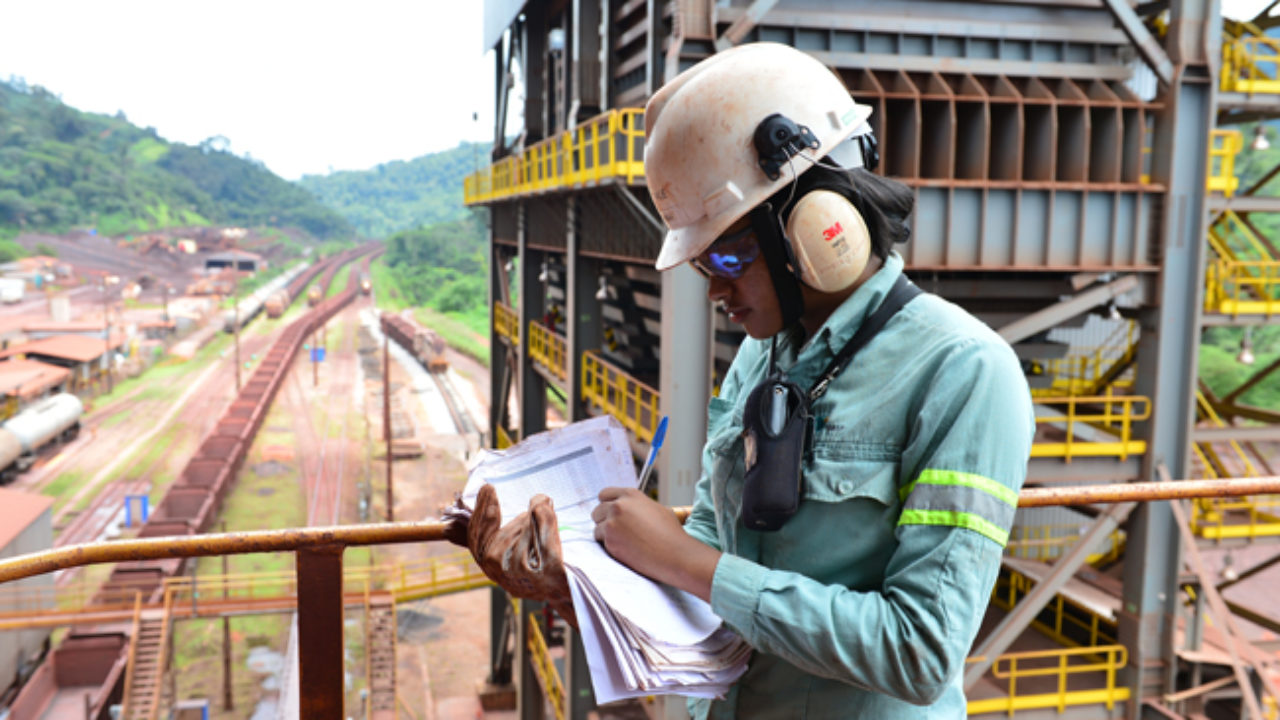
<point>380,655</point>
<point>148,657</point>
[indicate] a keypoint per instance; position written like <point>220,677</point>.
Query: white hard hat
<point>701,162</point>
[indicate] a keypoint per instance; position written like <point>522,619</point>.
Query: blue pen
<point>653,455</point>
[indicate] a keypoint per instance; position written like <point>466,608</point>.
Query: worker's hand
<point>647,537</point>
<point>523,557</point>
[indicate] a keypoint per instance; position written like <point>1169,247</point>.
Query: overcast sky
<point>305,87</point>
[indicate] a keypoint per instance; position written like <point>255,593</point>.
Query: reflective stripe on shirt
<point>959,499</point>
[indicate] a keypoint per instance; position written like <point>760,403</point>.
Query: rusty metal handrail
<point>338,537</point>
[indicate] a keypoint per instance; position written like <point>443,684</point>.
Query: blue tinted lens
<point>729,256</point>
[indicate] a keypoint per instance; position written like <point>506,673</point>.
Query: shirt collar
<point>847,318</point>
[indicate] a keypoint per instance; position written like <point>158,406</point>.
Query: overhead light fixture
<point>605,292</point>
<point>544,275</point>
<point>511,265</point>
<point>1260,141</point>
<point>1246,348</point>
<point>1113,312</point>
<point>1228,572</point>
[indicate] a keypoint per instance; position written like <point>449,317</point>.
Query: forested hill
<point>61,168</point>
<point>401,195</point>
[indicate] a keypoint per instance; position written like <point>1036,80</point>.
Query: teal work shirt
<point>865,604</point>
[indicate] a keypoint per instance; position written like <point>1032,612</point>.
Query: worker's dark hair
<point>885,204</point>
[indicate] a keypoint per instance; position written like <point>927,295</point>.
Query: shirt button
<point>845,486</point>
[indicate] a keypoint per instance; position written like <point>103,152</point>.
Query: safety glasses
<point>729,256</point>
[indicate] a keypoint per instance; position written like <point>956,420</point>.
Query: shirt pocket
<point>831,478</point>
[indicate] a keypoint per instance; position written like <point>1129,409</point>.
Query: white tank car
<point>52,418</point>
<point>10,452</point>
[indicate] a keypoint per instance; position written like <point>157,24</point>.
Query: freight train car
<point>423,343</point>
<point>52,420</point>
<point>247,309</point>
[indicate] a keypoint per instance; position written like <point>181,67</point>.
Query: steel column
<point>320,675</point>
<point>531,388</point>
<point>685,382</point>
<point>530,700</point>
<point>582,311</point>
<point>1168,346</point>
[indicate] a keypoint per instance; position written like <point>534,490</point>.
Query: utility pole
<point>235,327</point>
<point>386,418</point>
<point>227,701</point>
<point>106,332</point>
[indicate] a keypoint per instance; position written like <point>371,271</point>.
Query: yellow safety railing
<point>1064,614</point>
<point>1206,451</point>
<point>545,669</point>
<point>1233,239</point>
<point>504,439</point>
<point>1113,415</point>
<point>133,646</point>
<point>608,147</point>
<point>548,349</point>
<point>1046,543</point>
<point>1082,373</point>
<point>1028,674</point>
<point>1249,65</point>
<point>632,402</point>
<point>1250,517</point>
<point>1224,145</point>
<point>1242,287</point>
<point>506,323</point>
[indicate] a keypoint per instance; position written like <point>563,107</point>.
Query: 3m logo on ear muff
<point>828,239</point>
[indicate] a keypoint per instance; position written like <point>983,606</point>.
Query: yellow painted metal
<point>1114,415</point>
<point>548,349</point>
<point>1065,614</point>
<point>606,148</point>
<point>1249,65</point>
<point>610,388</point>
<point>506,322</point>
<point>544,668</point>
<point>1224,145</point>
<point>1066,667</point>
<point>504,440</point>
<point>1084,372</point>
<point>1242,287</point>
<point>133,651</point>
<point>1046,543</point>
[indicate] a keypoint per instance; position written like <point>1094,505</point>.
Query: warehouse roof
<point>29,378</point>
<point>18,510</point>
<point>77,348</point>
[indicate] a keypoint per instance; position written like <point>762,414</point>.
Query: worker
<point>864,454</point>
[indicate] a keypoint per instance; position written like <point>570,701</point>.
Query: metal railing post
<point>320,655</point>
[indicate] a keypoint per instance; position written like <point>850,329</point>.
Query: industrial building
<point>1072,170</point>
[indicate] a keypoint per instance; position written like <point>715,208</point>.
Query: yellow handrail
<point>506,322</point>
<point>1047,542</point>
<point>544,668</point>
<point>548,348</point>
<point>1065,614</point>
<point>133,652</point>
<point>1224,145</point>
<point>1114,415</point>
<point>1242,287</point>
<point>632,402</point>
<point>1245,63</point>
<point>608,147</point>
<point>1106,660</point>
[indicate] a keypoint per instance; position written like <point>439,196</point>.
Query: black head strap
<point>765,223</point>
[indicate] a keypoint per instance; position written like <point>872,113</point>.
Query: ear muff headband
<point>830,243</point>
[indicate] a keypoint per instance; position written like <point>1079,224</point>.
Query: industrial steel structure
<point>1065,159</point>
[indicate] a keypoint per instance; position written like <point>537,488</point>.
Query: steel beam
<point>1093,470</point>
<point>320,676</point>
<point>531,388</point>
<point>1142,38</point>
<point>1168,344</point>
<point>582,311</point>
<point>1269,433</point>
<point>974,66</point>
<point>1245,203</point>
<point>1054,314</point>
<point>1254,380</point>
<point>1008,630</point>
<point>743,24</point>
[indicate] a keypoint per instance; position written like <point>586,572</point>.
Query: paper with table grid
<point>641,638</point>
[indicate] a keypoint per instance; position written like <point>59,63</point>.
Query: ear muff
<point>829,240</point>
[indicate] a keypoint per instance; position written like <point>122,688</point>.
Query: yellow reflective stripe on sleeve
<point>950,518</point>
<point>953,477</point>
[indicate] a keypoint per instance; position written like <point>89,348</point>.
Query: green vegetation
<point>1223,372</point>
<point>402,194</point>
<point>61,169</point>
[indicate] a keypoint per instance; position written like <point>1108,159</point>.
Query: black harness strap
<point>903,292</point>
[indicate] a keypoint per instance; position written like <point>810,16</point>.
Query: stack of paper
<point>641,638</point>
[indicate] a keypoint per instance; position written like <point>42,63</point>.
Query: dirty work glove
<point>523,557</point>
